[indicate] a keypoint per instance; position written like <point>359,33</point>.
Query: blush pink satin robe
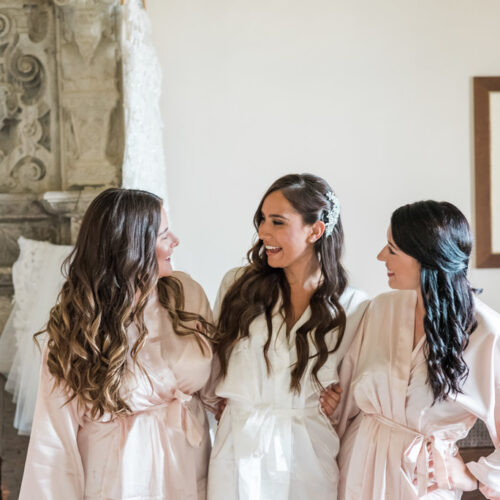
<point>388,426</point>
<point>159,451</point>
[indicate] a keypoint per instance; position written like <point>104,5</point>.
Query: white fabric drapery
<point>37,280</point>
<point>143,158</point>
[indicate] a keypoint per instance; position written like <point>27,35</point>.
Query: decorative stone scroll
<point>28,98</point>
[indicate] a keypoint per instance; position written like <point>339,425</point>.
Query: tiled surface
<point>478,437</point>
<point>12,447</point>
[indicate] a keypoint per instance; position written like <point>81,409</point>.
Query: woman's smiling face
<point>402,269</point>
<point>165,244</point>
<point>287,240</point>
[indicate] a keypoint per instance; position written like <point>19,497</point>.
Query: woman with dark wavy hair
<point>424,366</point>
<point>284,323</point>
<point>118,413</point>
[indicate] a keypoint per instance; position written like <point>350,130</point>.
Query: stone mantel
<point>53,216</point>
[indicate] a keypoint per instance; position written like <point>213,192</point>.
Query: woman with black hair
<point>284,323</point>
<point>424,366</point>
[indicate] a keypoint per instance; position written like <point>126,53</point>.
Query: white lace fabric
<point>37,281</point>
<point>144,158</point>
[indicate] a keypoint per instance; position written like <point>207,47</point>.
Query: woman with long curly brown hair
<point>284,323</point>
<point>118,413</point>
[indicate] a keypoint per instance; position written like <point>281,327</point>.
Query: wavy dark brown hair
<point>260,286</point>
<point>110,276</point>
<point>438,235</point>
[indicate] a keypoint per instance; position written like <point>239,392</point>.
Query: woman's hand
<point>220,409</point>
<point>330,399</point>
<point>459,475</point>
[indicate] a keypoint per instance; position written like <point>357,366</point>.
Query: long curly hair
<point>111,274</point>
<point>260,286</point>
<point>438,236</point>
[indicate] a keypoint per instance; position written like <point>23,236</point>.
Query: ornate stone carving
<point>27,94</point>
<point>89,94</point>
<point>60,105</point>
<point>61,123</point>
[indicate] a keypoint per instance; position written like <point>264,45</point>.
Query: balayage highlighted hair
<point>111,274</point>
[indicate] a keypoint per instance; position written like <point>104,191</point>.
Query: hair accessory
<point>332,215</point>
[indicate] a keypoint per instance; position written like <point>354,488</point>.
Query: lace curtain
<point>144,158</point>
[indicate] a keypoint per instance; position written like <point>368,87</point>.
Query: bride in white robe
<point>274,443</point>
<point>397,438</point>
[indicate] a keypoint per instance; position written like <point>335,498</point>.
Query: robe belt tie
<point>256,426</point>
<point>179,417</point>
<point>437,445</point>
<point>267,408</point>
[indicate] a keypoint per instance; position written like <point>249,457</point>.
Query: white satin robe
<point>393,430</point>
<point>272,444</point>
<point>159,451</point>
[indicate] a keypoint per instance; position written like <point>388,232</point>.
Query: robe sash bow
<point>177,416</point>
<point>436,446</point>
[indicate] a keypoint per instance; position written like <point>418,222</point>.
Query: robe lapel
<point>402,348</point>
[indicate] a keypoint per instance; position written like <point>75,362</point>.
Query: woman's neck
<point>304,276</point>
<point>303,279</point>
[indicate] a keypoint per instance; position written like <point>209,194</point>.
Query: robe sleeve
<point>487,360</point>
<point>227,281</point>
<point>207,394</point>
<point>53,469</point>
<point>347,408</point>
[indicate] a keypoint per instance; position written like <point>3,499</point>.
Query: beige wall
<point>373,96</point>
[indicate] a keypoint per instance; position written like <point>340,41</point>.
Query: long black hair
<point>257,291</point>
<point>438,235</point>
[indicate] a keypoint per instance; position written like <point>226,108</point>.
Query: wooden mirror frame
<point>485,254</point>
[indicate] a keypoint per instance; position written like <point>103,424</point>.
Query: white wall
<point>374,96</point>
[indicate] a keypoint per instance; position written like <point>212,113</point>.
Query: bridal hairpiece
<point>333,214</point>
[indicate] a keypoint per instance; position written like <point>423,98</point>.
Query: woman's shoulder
<point>354,302</point>
<point>488,320</point>
<point>231,277</point>
<point>353,297</point>
<point>227,281</point>
<point>193,291</point>
<point>233,274</point>
<point>186,279</point>
<point>391,306</point>
<point>394,298</point>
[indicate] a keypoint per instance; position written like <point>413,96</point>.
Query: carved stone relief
<point>61,119</point>
<point>89,90</point>
<point>60,111</point>
<point>28,93</point>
